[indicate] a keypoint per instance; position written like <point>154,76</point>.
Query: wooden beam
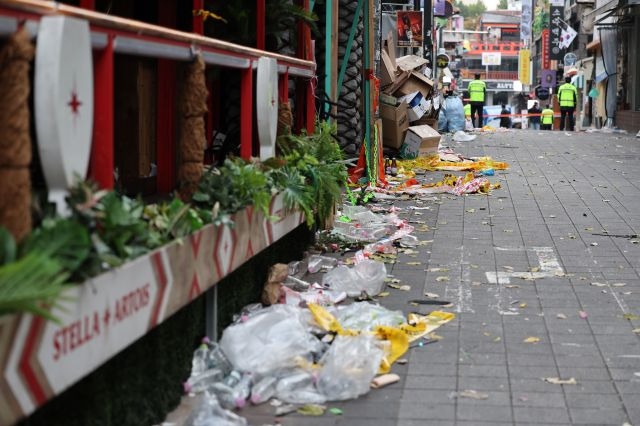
<point>246,114</point>
<point>260,24</point>
<point>101,168</point>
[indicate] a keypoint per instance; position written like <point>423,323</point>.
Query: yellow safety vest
<point>476,91</point>
<point>467,110</point>
<point>547,116</point>
<point>565,95</point>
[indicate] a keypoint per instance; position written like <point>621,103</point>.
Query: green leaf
<point>7,247</point>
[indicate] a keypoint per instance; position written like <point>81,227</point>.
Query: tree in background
<point>471,12</point>
<point>503,4</point>
<point>541,18</point>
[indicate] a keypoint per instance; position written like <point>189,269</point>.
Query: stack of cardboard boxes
<point>405,104</point>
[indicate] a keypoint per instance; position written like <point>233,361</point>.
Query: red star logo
<point>74,103</point>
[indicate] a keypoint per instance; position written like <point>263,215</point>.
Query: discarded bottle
<point>317,262</point>
<point>202,381</point>
<point>242,390</point>
<point>199,363</point>
<point>387,166</point>
<point>217,359</point>
<point>488,172</point>
<point>264,390</point>
<point>224,394</point>
<point>233,378</point>
<point>394,167</point>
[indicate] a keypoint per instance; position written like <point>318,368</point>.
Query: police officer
<point>477,91</point>
<point>547,118</point>
<point>568,98</point>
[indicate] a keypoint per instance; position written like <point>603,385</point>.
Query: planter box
<point>39,359</point>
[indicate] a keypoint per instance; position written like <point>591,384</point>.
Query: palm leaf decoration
<point>30,284</point>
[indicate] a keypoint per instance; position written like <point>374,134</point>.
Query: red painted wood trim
<point>283,87</point>
<point>260,24</point>
<point>311,107</point>
<point>101,165</point>
<point>31,345</point>
<point>165,109</point>
<point>246,113</point>
<point>88,4</point>
<point>198,21</point>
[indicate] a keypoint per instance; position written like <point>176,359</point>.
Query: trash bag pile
<point>451,118</point>
<point>300,355</point>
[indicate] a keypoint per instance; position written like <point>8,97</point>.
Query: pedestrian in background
<point>534,116</point>
<point>505,119</point>
<point>568,98</point>
<point>477,91</point>
<point>547,118</point>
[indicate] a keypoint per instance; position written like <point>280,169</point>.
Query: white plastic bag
<point>367,275</point>
<point>461,136</point>
<point>269,340</point>
<point>349,366</point>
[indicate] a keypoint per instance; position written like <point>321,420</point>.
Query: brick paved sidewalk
<point>560,191</point>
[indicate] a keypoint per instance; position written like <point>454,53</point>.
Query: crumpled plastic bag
<point>451,118</point>
<point>367,316</point>
<point>208,412</point>
<point>349,366</point>
<point>367,275</point>
<point>270,340</point>
<point>461,136</point>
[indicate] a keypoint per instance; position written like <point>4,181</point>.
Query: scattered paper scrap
<point>582,314</point>
<point>432,295</point>
<point>561,316</point>
<point>283,410</point>
<point>384,380</point>
<point>442,278</point>
<point>532,340</point>
<point>596,284</point>
<point>618,284</point>
<point>414,263</point>
<point>631,317</point>
<point>559,381</point>
<point>473,394</point>
<point>437,269</point>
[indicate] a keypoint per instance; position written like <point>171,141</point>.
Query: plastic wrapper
<point>271,339</point>
<point>461,136</point>
<point>367,275</point>
<point>208,412</point>
<point>263,390</point>
<point>317,263</point>
<point>367,316</point>
<point>316,296</point>
<point>298,387</point>
<point>349,366</point>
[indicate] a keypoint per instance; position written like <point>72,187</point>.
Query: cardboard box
<point>416,82</point>
<point>417,105</point>
<point>410,62</point>
<point>433,122</point>
<point>388,70</point>
<point>395,122</point>
<point>420,141</point>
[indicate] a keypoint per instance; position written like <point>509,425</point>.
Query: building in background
<point>497,40</point>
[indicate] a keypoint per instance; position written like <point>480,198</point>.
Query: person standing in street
<point>505,119</point>
<point>547,118</point>
<point>477,92</point>
<point>534,118</point>
<point>568,98</point>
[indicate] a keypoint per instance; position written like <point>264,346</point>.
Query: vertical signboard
<point>525,22</point>
<point>409,26</point>
<point>546,62</point>
<point>556,13</point>
<point>523,67</point>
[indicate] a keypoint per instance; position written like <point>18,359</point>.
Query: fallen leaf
<point>559,381</point>
<point>588,229</point>
<point>532,340</point>
<point>442,278</point>
<point>473,394</point>
<point>508,230</point>
<point>560,274</point>
<point>437,269</point>
<point>523,305</point>
<point>512,286</point>
<point>508,268</point>
<point>383,294</point>
<point>631,317</point>
<point>335,411</point>
<point>497,339</point>
<point>596,284</point>
<point>312,410</point>
<point>561,316</point>
<point>414,263</point>
<point>474,266</point>
<point>402,361</point>
<point>391,280</point>
<point>431,295</point>
<point>405,287</point>
<point>619,284</point>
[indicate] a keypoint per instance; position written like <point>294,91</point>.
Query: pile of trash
<point>301,357</point>
<point>449,160</point>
